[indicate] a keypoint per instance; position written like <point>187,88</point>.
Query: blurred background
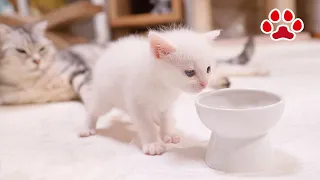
<point>80,21</point>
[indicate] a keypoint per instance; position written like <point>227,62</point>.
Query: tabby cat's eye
<point>208,69</point>
<point>41,49</point>
<point>190,73</point>
<point>21,51</point>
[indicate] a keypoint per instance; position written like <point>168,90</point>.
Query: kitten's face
<point>27,46</point>
<point>192,71</point>
<point>191,60</point>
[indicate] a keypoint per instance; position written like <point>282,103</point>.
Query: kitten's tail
<point>245,56</point>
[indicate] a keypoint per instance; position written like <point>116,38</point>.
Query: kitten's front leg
<point>148,133</point>
<point>167,128</point>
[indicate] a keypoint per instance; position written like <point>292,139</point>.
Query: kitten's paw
<point>224,83</point>
<point>87,133</point>
<point>219,83</point>
<point>156,148</point>
<point>171,139</point>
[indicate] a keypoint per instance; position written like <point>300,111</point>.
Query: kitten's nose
<point>203,84</point>
<point>36,61</point>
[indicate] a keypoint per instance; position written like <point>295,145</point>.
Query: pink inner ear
<point>160,46</point>
<point>212,35</point>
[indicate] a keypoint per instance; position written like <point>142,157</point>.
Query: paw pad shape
<point>283,31</point>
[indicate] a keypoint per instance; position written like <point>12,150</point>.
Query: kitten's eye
<point>41,49</point>
<point>208,69</point>
<point>190,73</point>
<point>21,51</point>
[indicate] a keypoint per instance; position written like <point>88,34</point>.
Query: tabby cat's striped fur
<point>32,71</point>
<point>237,66</point>
<point>244,57</point>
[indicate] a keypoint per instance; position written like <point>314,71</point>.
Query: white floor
<point>40,142</point>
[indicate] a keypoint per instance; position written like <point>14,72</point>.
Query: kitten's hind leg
<point>90,127</point>
<point>94,112</point>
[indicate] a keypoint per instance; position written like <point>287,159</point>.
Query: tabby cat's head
<point>26,46</point>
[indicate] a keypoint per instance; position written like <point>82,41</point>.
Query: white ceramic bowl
<point>240,120</point>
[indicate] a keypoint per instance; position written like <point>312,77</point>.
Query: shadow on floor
<point>191,149</point>
<point>119,131</point>
<point>194,153</point>
<point>284,163</point>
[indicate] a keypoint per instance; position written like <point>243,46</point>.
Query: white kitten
<point>144,76</point>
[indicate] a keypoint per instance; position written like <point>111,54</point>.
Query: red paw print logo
<point>283,31</point>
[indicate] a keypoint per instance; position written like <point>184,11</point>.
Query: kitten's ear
<point>212,35</point>
<point>40,27</point>
<point>160,46</point>
<point>4,30</point>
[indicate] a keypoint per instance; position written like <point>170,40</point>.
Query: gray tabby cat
<point>238,65</point>
<point>32,71</point>
<point>234,66</point>
<point>244,57</point>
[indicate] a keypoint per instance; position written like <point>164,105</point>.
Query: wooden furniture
<point>78,11</point>
<point>280,4</point>
<point>201,13</point>
<point>312,17</point>
<point>120,19</point>
<point>201,19</point>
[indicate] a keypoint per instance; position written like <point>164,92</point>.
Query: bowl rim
<point>201,95</point>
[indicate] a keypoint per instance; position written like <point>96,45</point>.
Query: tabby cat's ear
<point>159,46</point>
<point>4,30</point>
<point>212,35</point>
<point>40,27</point>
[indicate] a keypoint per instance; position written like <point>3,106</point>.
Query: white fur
<point>144,76</point>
